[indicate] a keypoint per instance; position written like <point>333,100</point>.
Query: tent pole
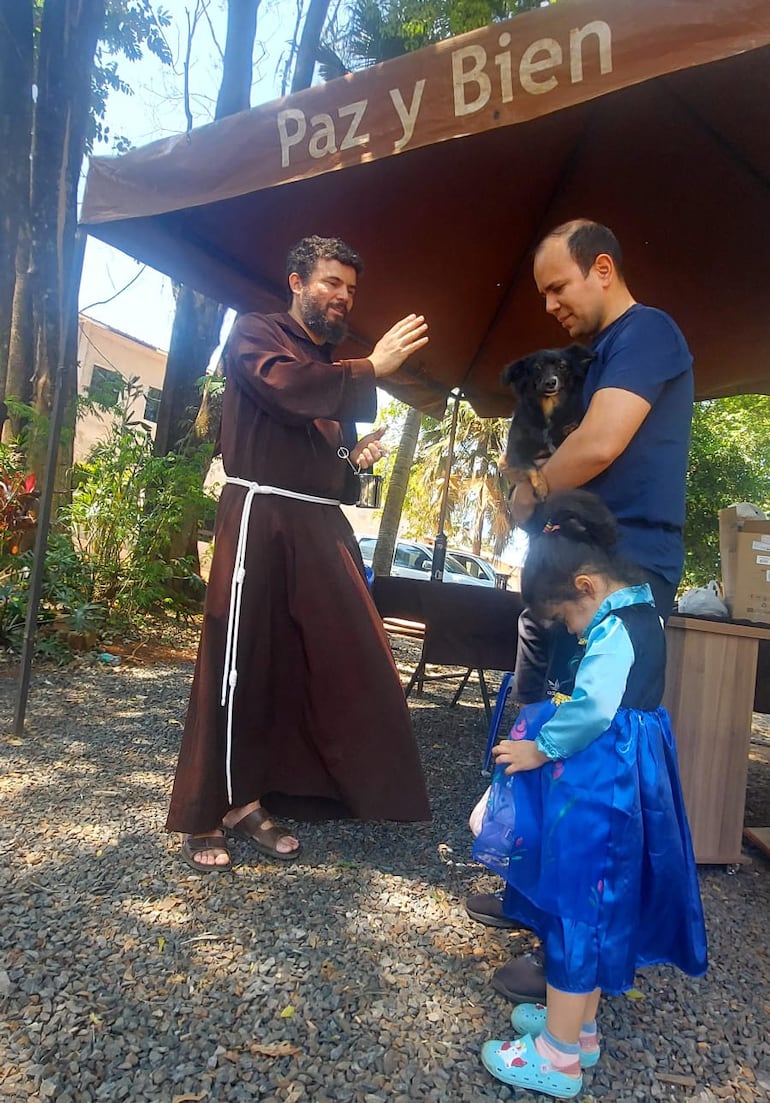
<point>440,543</point>
<point>46,497</point>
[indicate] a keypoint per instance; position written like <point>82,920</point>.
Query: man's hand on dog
<point>522,503</point>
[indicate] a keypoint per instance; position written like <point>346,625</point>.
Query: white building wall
<point>100,346</point>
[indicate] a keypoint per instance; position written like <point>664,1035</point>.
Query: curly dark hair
<point>585,241</point>
<point>305,254</point>
<point>573,533</point>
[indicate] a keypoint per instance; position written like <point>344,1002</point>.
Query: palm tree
<point>379,31</point>
<point>477,496</point>
<point>397,488</point>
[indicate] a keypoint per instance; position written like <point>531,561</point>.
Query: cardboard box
<point>744,547</point>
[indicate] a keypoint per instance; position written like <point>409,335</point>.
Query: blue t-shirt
<point>643,351</point>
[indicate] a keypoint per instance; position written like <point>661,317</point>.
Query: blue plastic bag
<point>496,844</point>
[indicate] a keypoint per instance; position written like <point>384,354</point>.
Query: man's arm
<point>610,423</point>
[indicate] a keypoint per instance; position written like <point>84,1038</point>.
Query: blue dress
<point>595,844</point>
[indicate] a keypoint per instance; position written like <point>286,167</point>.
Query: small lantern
<point>370,495</point>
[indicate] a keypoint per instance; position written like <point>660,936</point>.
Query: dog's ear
<point>579,357</point>
<point>515,372</point>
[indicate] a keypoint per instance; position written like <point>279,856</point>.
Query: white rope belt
<point>230,675</point>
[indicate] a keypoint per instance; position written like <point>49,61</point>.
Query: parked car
<point>474,565</point>
<point>413,560</point>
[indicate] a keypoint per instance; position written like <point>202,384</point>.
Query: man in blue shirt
<point>631,449</point>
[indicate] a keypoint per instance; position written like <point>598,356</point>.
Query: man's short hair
<point>585,240</point>
<point>303,257</point>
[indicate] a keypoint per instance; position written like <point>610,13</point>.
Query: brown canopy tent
<point>445,166</point>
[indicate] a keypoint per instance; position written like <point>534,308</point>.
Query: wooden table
<point>710,678</point>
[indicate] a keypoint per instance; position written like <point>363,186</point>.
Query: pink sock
<point>562,1055</point>
<point>589,1037</point>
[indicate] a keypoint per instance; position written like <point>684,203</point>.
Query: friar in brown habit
<point>296,706</point>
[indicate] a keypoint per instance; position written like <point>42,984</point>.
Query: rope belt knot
<point>230,673</point>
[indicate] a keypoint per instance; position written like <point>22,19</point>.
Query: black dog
<point>548,387</point>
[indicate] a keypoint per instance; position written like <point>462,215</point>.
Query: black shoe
<point>522,980</point>
<point>487,908</point>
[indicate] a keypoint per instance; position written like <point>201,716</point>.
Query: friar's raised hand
<point>402,340</point>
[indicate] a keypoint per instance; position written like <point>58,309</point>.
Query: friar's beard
<point>314,317</point>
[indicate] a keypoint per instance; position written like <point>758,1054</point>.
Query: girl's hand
<point>518,755</point>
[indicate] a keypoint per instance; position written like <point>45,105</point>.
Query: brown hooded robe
<point>320,724</point>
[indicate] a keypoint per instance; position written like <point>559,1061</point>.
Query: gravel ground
<point>353,975</point>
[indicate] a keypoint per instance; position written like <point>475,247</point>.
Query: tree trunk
<point>206,425</point>
<point>478,528</point>
<point>68,36</point>
<point>194,336</point>
<point>65,458</point>
<point>21,349</point>
<point>235,88</point>
<point>308,45</point>
<point>394,503</point>
<point>16,77</point>
<point>198,320</point>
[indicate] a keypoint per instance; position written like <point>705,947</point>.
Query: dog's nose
<point>549,383</point>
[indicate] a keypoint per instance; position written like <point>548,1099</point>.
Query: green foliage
<point>729,462</point>
<point>127,506</point>
<point>60,595</point>
<point>17,497</point>
<point>477,490</point>
<point>379,30</point>
<point>130,27</point>
<point>62,613</point>
<point>13,610</point>
<point>107,562</point>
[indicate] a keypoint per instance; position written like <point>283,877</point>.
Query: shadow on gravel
<point>351,975</point>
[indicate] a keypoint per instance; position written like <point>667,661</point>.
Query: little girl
<point>594,842</point>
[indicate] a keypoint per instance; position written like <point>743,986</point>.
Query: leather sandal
<point>264,839</point>
<point>192,846</point>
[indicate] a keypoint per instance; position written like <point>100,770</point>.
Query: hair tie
<point>549,527</point>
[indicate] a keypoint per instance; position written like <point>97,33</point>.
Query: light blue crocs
<point>518,1064</point>
<point>529,1018</point>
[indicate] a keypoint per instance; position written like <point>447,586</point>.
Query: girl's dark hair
<point>572,533</point>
